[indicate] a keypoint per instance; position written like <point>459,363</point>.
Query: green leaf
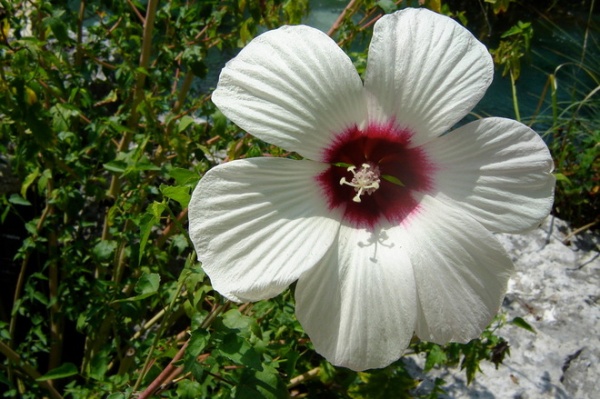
<point>184,122</point>
<point>104,249</point>
<point>143,165</point>
<point>115,166</point>
<point>63,371</point>
<point>562,177</point>
<point>58,28</point>
<point>148,284</point>
<point>180,194</point>
<point>388,6</point>
<point>377,384</point>
<point>99,364</point>
<point>147,222</point>
<point>520,322</point>
<point>29,179</point>
<point>264,384</point>
<point>342,164</point>
<point>435,357</point>
<point>238,350</point>
<point>184,176</point>
<point>392,180</point>
<point>234,320</point>
<point>16,199</point>
<point>198,342</point>
<point>187,389</point>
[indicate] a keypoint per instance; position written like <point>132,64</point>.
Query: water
<point>553,44</point>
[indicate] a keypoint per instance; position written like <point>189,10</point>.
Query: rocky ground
<point>557,291</point>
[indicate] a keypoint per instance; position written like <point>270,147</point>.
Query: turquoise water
<point>554,43</point>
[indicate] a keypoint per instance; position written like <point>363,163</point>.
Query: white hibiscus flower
<point>387,223</point>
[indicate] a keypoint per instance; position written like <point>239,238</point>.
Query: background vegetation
<point>107,125</point>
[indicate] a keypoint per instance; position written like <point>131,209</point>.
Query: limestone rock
<point>556,289</point>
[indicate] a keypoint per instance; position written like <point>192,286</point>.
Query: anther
<point>365,180</point>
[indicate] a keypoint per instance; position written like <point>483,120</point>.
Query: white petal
<point>292,87</point>
<point>426,71</point>
<point>497,170</point>
<point>258,224</point>
<point>358,304</point>
<point>461,272</point>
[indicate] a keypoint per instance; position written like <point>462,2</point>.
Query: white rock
<point>556,289</point>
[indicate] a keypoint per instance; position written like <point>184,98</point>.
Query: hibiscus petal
<point>292,87</point>
<point>497,170</point>
<point>426,71</point>
<point>258,224</point>
<point>461,272</point>
<point>358,304</point>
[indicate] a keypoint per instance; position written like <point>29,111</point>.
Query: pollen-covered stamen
<point>364,180</point>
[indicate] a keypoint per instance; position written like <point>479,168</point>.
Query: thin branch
<point>309,375</point>
<point>28,369</point>
<point>338,22</point>
<point>171,369</point>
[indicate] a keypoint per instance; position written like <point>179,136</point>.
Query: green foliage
<point>570,113</point>
<point>106,129</point>
<point>500,6</point>
<point>517,43</point>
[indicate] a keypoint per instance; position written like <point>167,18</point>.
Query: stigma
<point>365,180</point>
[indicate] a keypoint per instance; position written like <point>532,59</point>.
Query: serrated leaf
<point>148,283</point>
<point>29,179</point>
<point>63,371</point>
<point>238,350</point>
<point>264,384</point>
<point>233,319</point>
<point>435,357</point>
<point>342,164</point>
<point>147,222</point>
<point>142,166</point>
<point>377,384</point>
<point>393,180</point>
<point>388,6</point>
<point>520,322</point>
<point>184,176</point>
<point>16,199</point>
<point>146,286</point>
<point>104,249</point>
<point>58,28</point>
<point>187,389</point>
<point>99,364</point>
<point>562,177</point>
<point>198,342</point>
<point>115,166</point>
<point>184,122</point>
<point>180,194</point>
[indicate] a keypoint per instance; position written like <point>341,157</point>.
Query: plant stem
<point>12,327</point>
<point>56,338</point>
<point>513,85</point>
<point>309,375</point>
<point>138,92</point>
<point>169,370</point>
<point>157,337</point>
<point>28,369</point>
<point>79,49</point>
<point>348,11</point>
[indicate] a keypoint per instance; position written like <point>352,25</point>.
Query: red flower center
<point>373,173</point>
